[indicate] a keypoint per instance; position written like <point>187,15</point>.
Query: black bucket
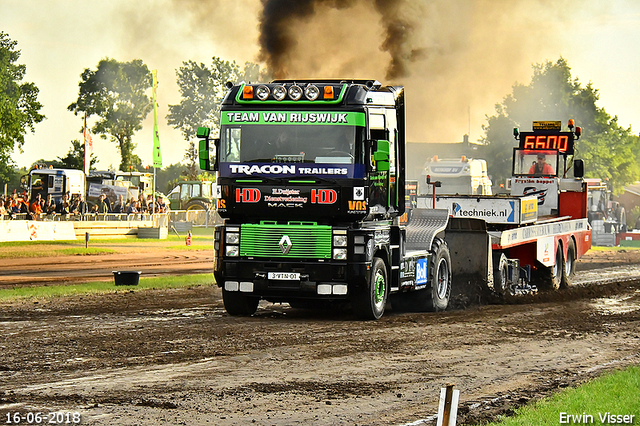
<point>126,277</point>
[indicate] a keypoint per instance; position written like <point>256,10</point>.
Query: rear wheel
<point>239,304</point>
<point>368,303</point>
<point>197,212</point>
<point>436,297</point>
<point>501,276</point>
<point>569,269</point>
<point>550,278</point>
<point>440,277</point>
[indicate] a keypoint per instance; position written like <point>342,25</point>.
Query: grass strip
<point>615,248</point>
<point>95,287</point>
<point>595,402</point>
<point>49,252</point>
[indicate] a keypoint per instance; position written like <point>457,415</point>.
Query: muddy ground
<point>175,357</point>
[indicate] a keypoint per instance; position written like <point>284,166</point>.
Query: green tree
<point>609,151</point>
<point>75,157</point>
<point>202,89</point>
<point>166,177</point>
<point>19,106</point>
<point>116,93</point>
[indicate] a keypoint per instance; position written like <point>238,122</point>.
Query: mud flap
<point>471,261</point>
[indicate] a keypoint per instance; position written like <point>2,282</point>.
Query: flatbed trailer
<point>530,239</point>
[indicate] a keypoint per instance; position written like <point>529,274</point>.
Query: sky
<point>462,57</point>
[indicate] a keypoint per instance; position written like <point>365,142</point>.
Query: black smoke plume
<point>278,32</point>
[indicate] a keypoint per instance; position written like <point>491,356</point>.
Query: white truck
<point>56,182</point>
<point>464,176</point>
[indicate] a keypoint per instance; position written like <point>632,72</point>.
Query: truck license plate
<point>285,276</point>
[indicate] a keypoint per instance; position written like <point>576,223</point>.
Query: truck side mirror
<point>23,182</point>
<point>207,159</point>
<point>578,168</point>
<point>381,155</point>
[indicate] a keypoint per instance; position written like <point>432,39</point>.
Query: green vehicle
<point>311,184</point>
<point>191,195</point>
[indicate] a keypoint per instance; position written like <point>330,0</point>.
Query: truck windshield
<point>535,163</point>
<point>289,143</point>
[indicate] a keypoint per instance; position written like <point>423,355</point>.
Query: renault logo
<point>285,244</point>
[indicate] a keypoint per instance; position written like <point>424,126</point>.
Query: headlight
<point>232,251</point>
<point>232,238</point>
<point>279,92</point>
<point>295,92</point>
<point>339,240</point>
<point>262,92</point>
<point>311,92</point>
<point>340,254</point>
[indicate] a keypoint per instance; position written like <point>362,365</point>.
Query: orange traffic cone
<point>188,239</point>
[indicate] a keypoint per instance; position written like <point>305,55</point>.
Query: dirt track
<point>175,357</point>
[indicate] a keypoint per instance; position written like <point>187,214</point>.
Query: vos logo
<point>324,196</point>
<point>360,206</point>
<point>248,195</point>
<point>421,271</point>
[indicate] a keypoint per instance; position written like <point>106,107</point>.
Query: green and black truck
<point>311,187</point>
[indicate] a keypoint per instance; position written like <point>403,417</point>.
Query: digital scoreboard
<point>546,136</point>
<point>543,140</point>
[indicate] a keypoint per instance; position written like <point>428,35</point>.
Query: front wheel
<point>239,304</point>
<point>369,302</point>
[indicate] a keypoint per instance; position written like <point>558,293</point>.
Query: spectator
<point>82,205</point>
<point>119,206</point>
<point>142,202</point>
<point>133,206</point>
<point>130,203</point>
<point>23,208</point>
<point>150,203</point>
<point>161,207</point>
<point>36,207</point>
<point>64,206</point>
<point>103,207</point>
<point>3,209</point>
<point>15,205</point>
<point>49,206</point>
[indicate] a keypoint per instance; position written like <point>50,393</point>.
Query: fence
<point>49,227</point>
<point>203,218</point>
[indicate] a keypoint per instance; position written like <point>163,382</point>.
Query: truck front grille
<point>285,241</point>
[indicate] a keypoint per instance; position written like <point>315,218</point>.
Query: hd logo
<point>421,271</point>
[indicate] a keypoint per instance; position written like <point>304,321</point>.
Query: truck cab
<point>463,176</point>
<point>311,183</point>
<point>541,166</point>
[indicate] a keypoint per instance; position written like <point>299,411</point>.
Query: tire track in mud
<point>144,357</point>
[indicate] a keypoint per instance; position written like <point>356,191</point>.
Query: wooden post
<point>448,409</point>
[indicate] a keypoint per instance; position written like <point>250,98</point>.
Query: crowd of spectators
<point>16,206</point>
